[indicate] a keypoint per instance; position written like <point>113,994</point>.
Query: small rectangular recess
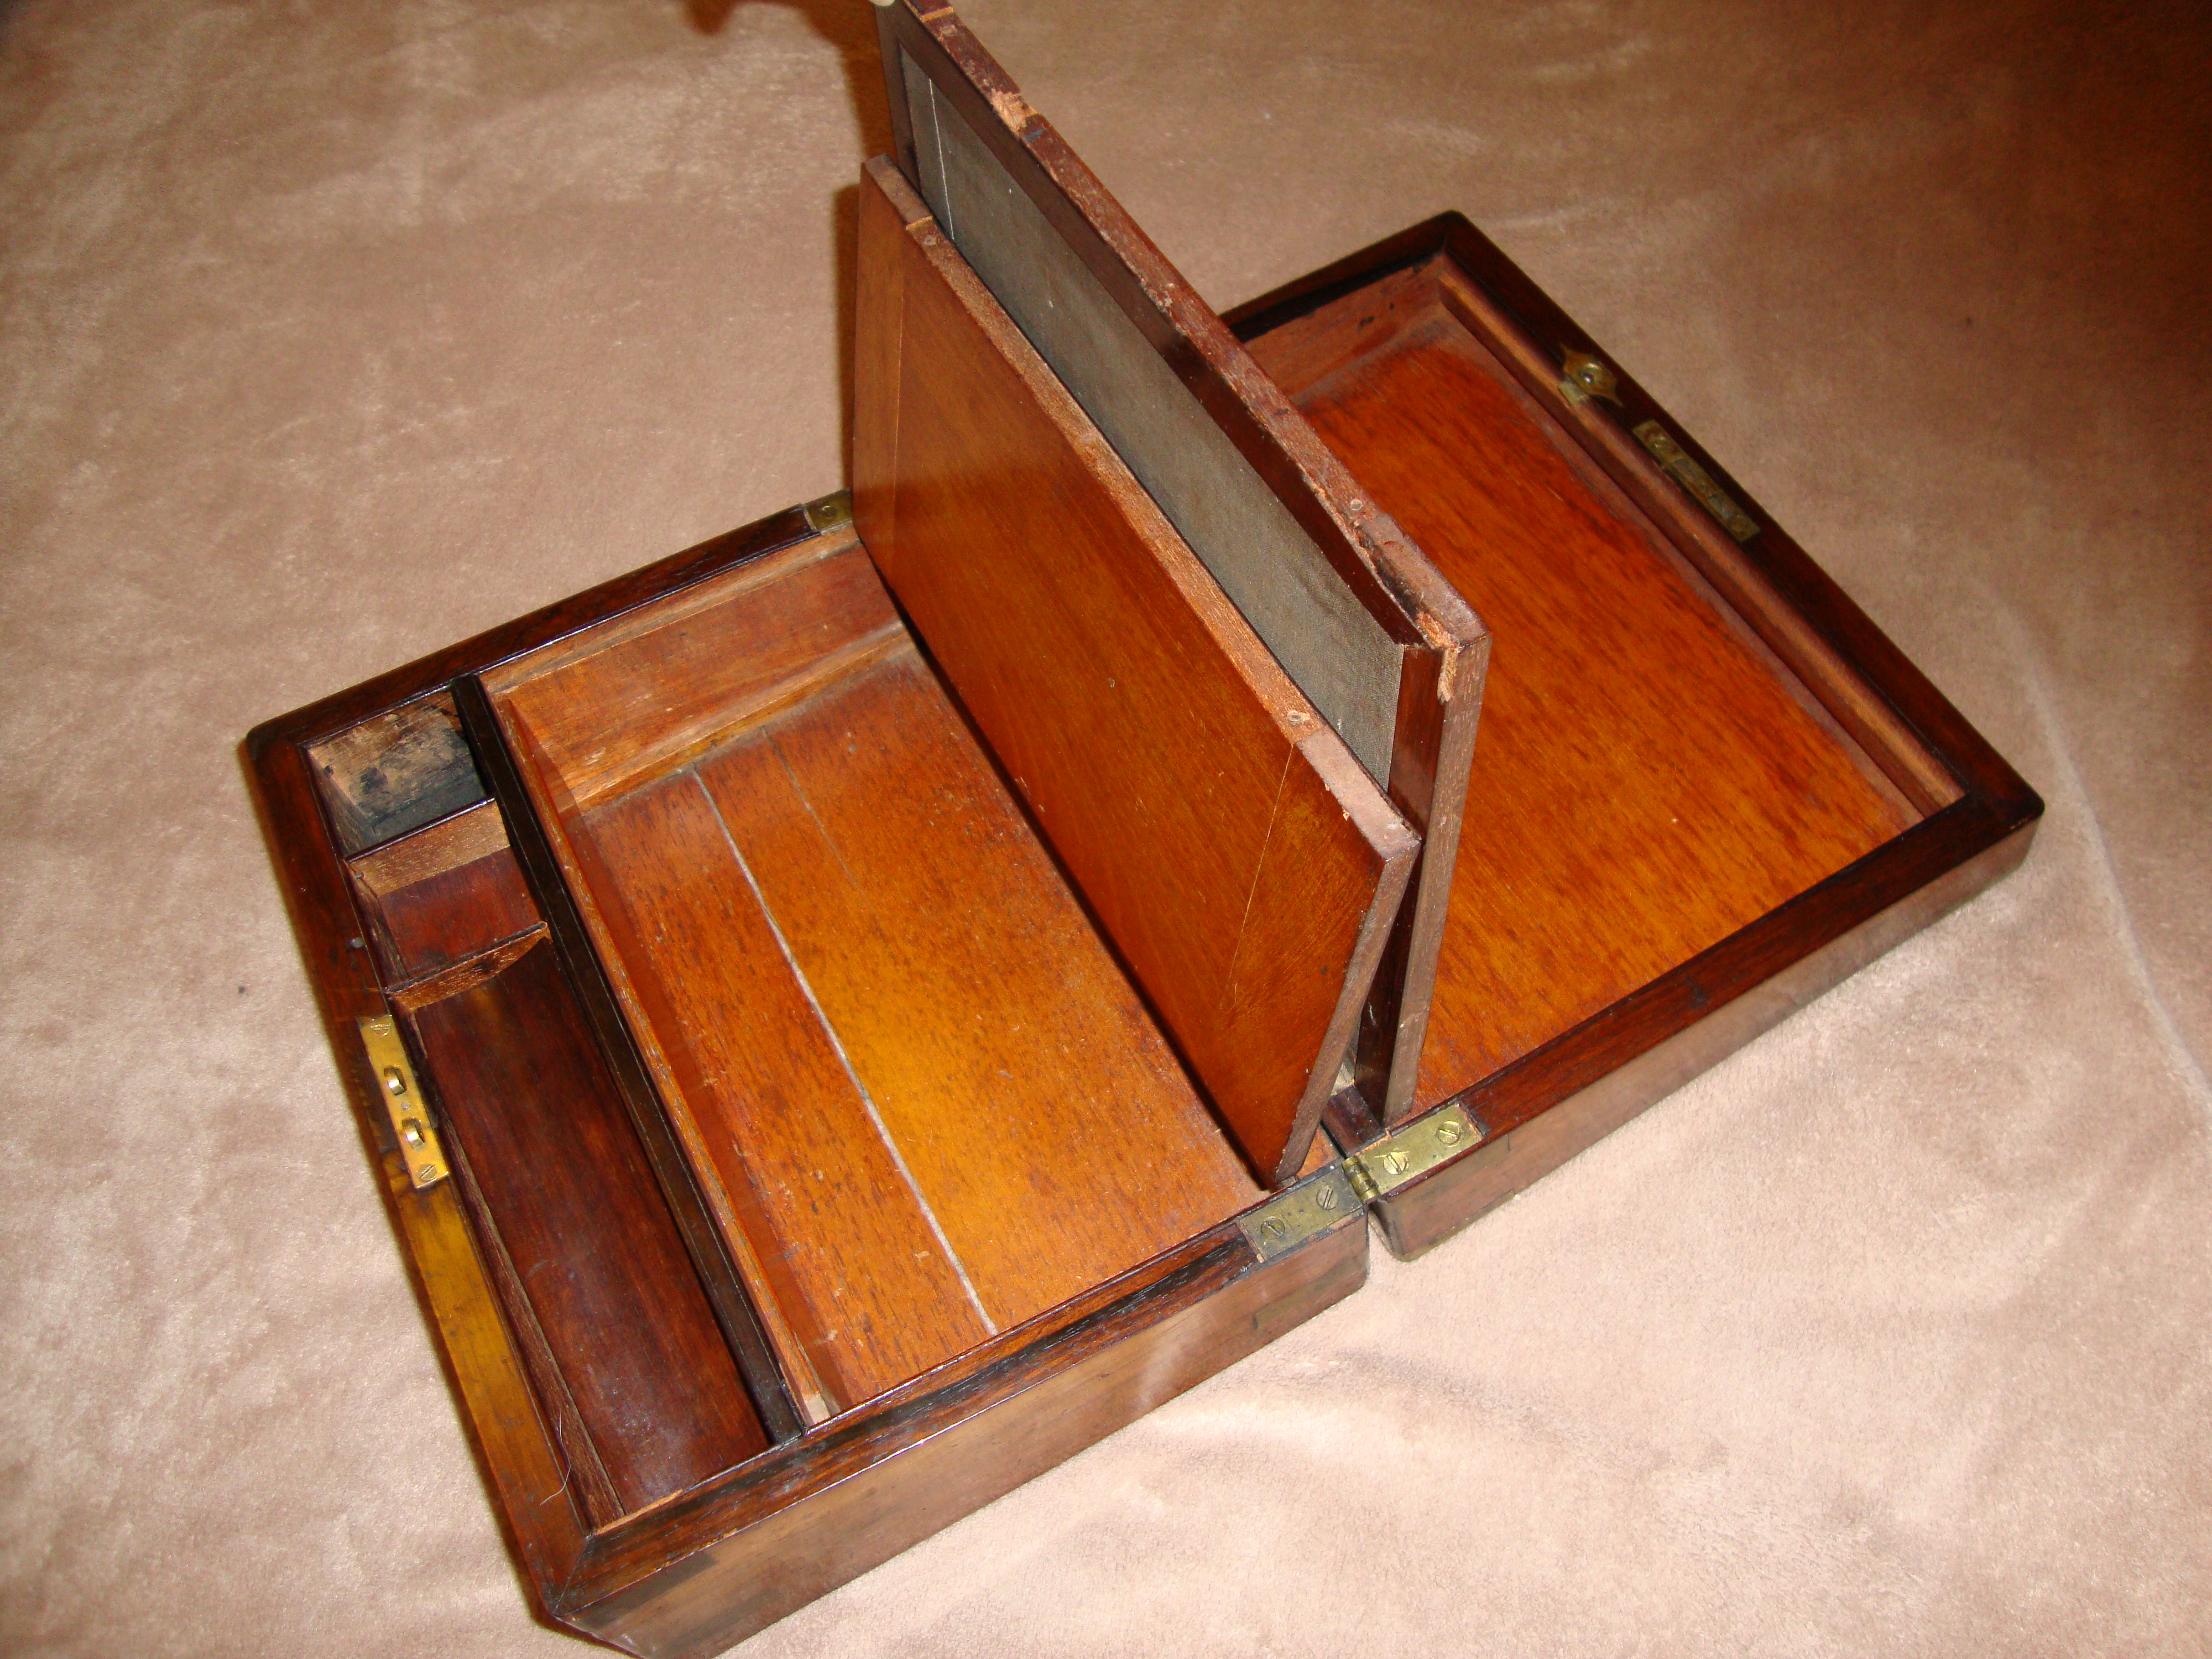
<point>395,772</point>
<point>622,1341</point>
<point>442,894</point>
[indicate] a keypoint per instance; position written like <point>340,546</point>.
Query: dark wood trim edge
<point>1524,1145</point>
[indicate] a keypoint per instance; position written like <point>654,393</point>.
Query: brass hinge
<point>402,1102</point>
<point>1307,1210</point>
<point>1695,479</point>
<point>830,512</point>
<point>1375,1169</point>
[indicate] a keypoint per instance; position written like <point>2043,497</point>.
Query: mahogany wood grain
<point>1646,784</point>
<point>538,1504</point>
<point>733,1557</point>
<point>1606,445</point>
<point>1916,751</point>
<point>891,861</point>
<point>606,603</point>
<point>850,1259</point>
<point>1736,991</point>
<point>1236,854</point>
<point>878,340</point>
<point>1442,643</point>
<point>511,770</point>
<point>589,1484</point>
<point>1035,1106</point>
<point>550,1147</point>
<point>443,893</point>
<point>637,700</point>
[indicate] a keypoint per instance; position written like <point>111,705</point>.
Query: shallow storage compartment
<point>925,1102</point>
<point>1649,776</point>
<point>1705,786</point>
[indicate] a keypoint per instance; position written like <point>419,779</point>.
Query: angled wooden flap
<point>1232,848</point>
<point>1388,652</point>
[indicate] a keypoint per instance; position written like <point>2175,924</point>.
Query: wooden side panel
<point>879,312</point>
<point>852,1265</point>
<point>551,1150</point>
<point>1647,782</point>
<point>434,922</point>
<point>815,1516</point>
<point>528,1473</point>
<point>1038,1110</point>
<point>1155,741</point>
<point>1388,653</point>
<point>623,709</point>
<point>1443,1200</point>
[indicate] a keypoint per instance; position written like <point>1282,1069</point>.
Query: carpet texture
<point>331,334</point>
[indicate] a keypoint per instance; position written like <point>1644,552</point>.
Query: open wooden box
<point>844,1012</point>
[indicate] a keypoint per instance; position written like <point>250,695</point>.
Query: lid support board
<point>1233,850</point>
<point>1386,651</point>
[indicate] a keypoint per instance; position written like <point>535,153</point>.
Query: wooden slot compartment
<point>1652,773</point>
<point>628,1365</point>
<point>439,898</point>
<point>922,1101</point>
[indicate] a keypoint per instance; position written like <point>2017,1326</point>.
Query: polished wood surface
<point>528,1470</point>
<point>937,72</point>
<point>1035,1105</point>
<point>576,1211</point>
<point>1241,862</point>
<point>605,718</point>
<point>1967,816</point>
<point>1524,1145</point>
<point>925,1102</point>
<point>740,1552</point>
<point>1647,781</point>
<point>443,893</point>
<point>849,1261</point>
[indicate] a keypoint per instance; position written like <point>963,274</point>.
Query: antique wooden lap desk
<point>844,1012</point>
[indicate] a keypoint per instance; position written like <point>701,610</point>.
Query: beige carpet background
<point>329,334</point>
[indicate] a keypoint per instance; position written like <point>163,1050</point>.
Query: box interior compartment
<point>1650,774</point>
<point>614,1326</point>
<point>923,1100</point>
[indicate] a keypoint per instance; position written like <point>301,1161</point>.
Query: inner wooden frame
<point>557,1266</point>
<point>922,1100</point>
<point>1742,791</point>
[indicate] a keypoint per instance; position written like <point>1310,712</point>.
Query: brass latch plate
<point>1695,479</point>
<point>1396,1159</point>
<point>1306,1210</point>
<point>402,1102</point>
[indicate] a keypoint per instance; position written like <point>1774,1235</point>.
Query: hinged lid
<point>1388,653</point>
<point>1244,865</point>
